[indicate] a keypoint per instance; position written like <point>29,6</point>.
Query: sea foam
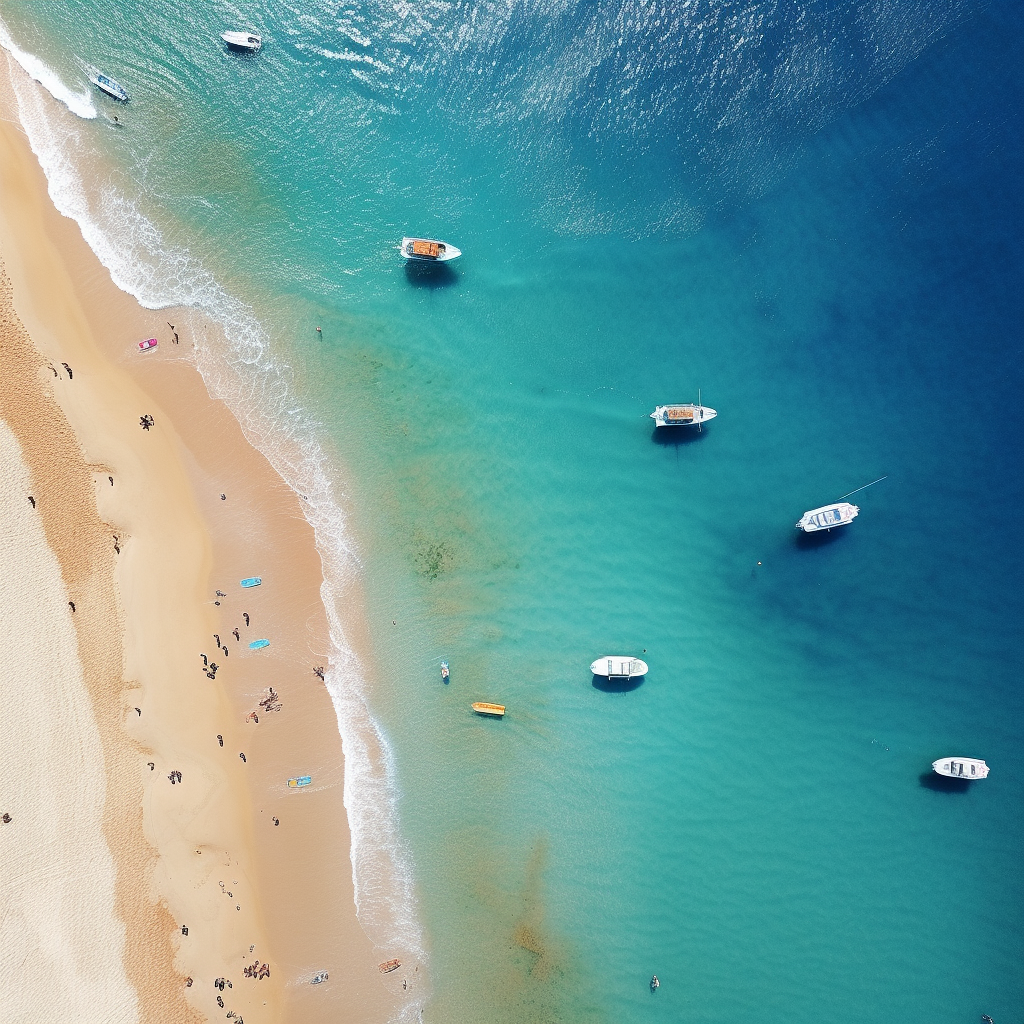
<point>259,391</point>
<point>79,103</point>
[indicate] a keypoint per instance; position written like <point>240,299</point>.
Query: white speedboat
<point>618,667</point>
<point>960,768</point>
<point>245,42</point>
<point>828,517</point>
<point>429,250</point>
<point>106,84</point>
<point>682,415</point>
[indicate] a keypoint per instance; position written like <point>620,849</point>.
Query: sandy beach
<point>182,855</point>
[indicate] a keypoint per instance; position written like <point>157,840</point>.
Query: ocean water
<point>809,212</point>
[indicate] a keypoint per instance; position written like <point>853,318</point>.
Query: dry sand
<point>60,958</point>
<point>144,614</point>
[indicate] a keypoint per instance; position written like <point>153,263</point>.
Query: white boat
<point>682,415</point>
<point>429,250</point>
<point>960,768</point>
<point>106,84</point>
<point>616,666</point>
<point>247,42</point>
<point>827,517</point>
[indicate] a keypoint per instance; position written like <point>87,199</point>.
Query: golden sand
<point>136,521</point>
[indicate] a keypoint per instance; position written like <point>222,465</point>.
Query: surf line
<point>873,482</point>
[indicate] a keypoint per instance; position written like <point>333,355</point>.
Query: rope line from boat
<point>865,487</point>
<point>603,387</point>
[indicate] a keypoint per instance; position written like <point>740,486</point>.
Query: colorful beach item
<point>388,966</point>
<point>257,645</point>
<point>145,346</point>
<point>484,708</point>
<point>299,781</point>
<point>251,581</point>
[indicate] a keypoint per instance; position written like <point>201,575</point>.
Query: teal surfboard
<point>252,581</point>
<point>257,644</point>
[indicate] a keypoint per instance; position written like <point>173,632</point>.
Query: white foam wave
<point>258,390</point>
<point>79,103</point>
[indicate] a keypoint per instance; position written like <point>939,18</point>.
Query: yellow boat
<point>483,708</point>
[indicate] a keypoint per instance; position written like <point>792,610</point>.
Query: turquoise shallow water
<point>810,214</point>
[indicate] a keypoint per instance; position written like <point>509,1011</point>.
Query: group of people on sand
<point>258,971</point>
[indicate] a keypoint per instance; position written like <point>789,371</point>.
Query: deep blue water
<point>810,213</point>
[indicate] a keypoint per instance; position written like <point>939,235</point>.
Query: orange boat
<point>483,708</point>
<point>388,966</point>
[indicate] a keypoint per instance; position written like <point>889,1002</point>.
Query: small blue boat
<point>252,581</point>
<point>109,86</point>
<point>299,781</point>
<point>258,644</point>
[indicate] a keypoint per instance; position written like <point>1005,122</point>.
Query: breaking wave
<point>259,391</point>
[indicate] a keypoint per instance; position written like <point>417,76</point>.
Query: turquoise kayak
<point>252,581</point>
<point>257,644</point>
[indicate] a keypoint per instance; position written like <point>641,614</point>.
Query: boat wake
<point>79,103</point>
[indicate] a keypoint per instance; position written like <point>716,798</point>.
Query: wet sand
<point>136,521</point>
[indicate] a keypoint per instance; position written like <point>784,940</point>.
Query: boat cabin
<point>426,250</point>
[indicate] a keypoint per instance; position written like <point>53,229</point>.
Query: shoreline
<point>179,543</point>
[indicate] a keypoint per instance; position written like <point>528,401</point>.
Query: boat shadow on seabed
<point>676,437</point>
<point>818,539</point>
<point>421,274</point>
<point>940,784</point>
<point>606,685</point>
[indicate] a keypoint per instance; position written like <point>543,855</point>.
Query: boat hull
<point>242,42</point>
<point>110,87</point>
<point>492,710</point>
<point>960,768</point>
<point>435,251</point>
<point>828,517</point>
<point>682,415</point>
<point>616,666</point>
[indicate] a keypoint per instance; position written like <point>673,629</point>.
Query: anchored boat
<point>682,415</point>
<point>429,250</point>
<point>827,517</point>
<point>618,667</point>
<point>106,84</point>
<point>445,671</point>
<point>243,42</point>
<point>960,768</point>
<point>494,710</point>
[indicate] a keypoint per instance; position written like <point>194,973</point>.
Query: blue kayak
<point>252,581</point>
<point>257,644</point>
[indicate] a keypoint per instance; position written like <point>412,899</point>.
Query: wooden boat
<point>616,666</point>
<point>842,513</point>
<point>494,710</point>
<point>106,84</point>
<point>388,966</point>
<point>428,250</point>
<point>960,768</point>
<point>299,781</point>
<point>243,42</point>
